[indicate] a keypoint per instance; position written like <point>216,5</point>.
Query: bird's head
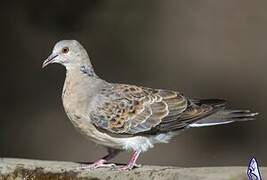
<point>69,53</point>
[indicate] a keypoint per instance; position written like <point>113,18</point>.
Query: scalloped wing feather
<point>131,109</point>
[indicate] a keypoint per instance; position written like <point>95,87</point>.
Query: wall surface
<point>18,169</point>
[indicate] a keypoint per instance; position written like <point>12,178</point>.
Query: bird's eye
<point>65,50</point>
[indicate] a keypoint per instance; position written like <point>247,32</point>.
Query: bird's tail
<point>222,115</point>
<point>225,116</point>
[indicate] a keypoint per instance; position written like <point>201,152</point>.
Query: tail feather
<point>225,117</point>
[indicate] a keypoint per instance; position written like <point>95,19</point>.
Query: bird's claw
<point>98,164</point>
<point>129,167</point>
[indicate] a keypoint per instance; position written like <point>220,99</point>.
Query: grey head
<point>71,54</point>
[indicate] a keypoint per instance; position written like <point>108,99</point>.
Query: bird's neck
<point>81,70</point>
<point>81,75</point>
<point>80,79</point>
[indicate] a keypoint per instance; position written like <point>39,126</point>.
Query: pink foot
<point>98,164</point>
<point>129,167</point>
<point>132,162</point>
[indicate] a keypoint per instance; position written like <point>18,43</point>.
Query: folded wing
<point>129,109</point>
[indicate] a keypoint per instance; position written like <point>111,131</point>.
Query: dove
<point>123,117</point>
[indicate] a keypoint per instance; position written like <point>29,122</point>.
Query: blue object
<point>253,171</point>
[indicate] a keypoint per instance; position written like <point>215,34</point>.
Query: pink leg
<point>132,163</point>
<point>102,163</point>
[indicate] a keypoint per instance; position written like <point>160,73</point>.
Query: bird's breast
<point>74,100</point>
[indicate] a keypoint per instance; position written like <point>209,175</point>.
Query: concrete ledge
<point>37,169</point>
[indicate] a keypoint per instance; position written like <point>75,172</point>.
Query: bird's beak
<point>49,60</point>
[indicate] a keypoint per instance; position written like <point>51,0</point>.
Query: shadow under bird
<point>128,117</point>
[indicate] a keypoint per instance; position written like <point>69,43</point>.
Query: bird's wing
<point>129,109</point>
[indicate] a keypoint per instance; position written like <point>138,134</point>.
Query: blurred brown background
<point>206,48</point>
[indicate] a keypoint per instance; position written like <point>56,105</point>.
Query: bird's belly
<point>86,128</point>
